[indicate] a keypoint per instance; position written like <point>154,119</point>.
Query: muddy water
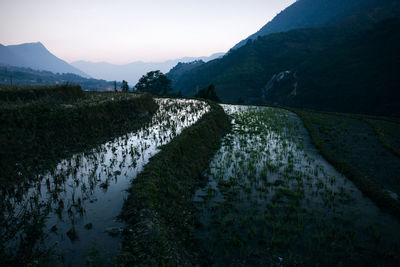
<point>70,213</point>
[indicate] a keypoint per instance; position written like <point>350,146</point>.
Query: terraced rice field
<point>70,213</point>
<point>271,199</point>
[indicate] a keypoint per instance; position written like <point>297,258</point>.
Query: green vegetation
<point>181,68</point>
<point>311,13</point>
<point>154,82</point>
<point>159,211</point>
<point>356,76</point>
<point>388,133</point>
<point>124,86</point>
<point>63,204</point>
<point>208,93</point>
<point>287,186</point>
<point>360,152</point>
<point>24,94</point>
<point>41,125</point>
<point>18,76</point>
<point>349,67</point>
<point>266,198</point>
<point>272,200</point>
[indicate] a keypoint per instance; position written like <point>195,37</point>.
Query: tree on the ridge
<point>154,82</point>
<point>124,87</point>
<point>208,93</point>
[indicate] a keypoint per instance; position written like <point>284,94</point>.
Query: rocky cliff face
<point>282,85</point>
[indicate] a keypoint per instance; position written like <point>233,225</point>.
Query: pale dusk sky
<point>122,31</point>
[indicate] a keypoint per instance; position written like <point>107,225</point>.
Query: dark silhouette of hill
<point>181,68</point>
<point>359,75</point>
<point>248,73</point>
<point>313,13</point>
<point>35,56</point>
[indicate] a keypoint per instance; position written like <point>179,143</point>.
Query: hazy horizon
<point>121,32</point>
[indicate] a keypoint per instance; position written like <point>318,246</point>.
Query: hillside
<point>35,56</point>
<point>132,72</point>
<point>358,76</point>
<point>313,13</point>
<point>181,68</point>
<point>243,72</point>
<point>16,76</point>
<point>246,72</point>
<point>6,56</point>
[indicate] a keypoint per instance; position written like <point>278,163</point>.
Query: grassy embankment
<point>364,148</point>
<point>40,125</point>
<point>159,209</point>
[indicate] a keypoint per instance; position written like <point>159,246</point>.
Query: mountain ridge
<point>21,76</point>
<point>244,73</point>
<point>132,72</point>
<point>36,56</point>
<point>312,13</point>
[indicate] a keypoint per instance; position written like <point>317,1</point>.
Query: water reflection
<point>73,207</point>
<point>272,200</point>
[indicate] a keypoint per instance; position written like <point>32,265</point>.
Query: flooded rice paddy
<point>271,199</point>
<point>71,212</point>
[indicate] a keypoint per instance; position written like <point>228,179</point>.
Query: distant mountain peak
<point>132,71</point>
<point>36,43</point>
<point>36,56</point>
<point>39,44</point>
<point>31,44</point>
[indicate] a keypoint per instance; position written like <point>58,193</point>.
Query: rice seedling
<point>87,189</point>
<point>286,193</point>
